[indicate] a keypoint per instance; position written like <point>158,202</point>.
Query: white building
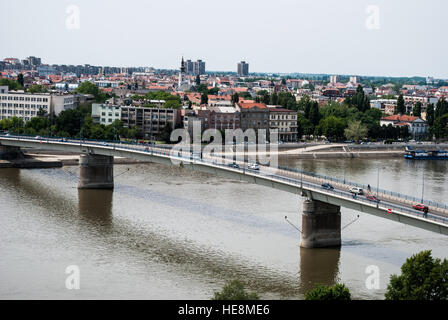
<point>105,113</point>
<point>26,105</point>
<point>417,127</point>
<point>334,79</point>
<point>385,105</point>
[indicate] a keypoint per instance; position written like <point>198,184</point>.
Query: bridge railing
<point>311,186</point>
<point>132,146</point>
<point>365,187</point>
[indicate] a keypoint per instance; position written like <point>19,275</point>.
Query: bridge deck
<point>287,180</point>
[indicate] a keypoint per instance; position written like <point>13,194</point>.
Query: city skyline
<point>317,38</point>
<point>278,74</point>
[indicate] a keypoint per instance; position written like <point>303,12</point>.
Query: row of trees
<point>72,123</point>
<point>354,119</point>
<point>437,118</point>
<point>422,278</point>
<point>338,121</point>
<point>171,101</point>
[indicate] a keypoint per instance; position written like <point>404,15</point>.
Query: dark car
<point>233,165</point>
<point>327,186</point>
<point>420,207</point>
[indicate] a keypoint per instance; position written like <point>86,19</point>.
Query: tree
<point>235,291</point>
<point>322,292</point>
<point>12,85</point>
<point>204,98</point>
<point>235,98</point>
<point>90,88</point>
<point>172,104</point>
<point>274,99</point>
<point>401,108</point>
<point>355,131</point>
<point>37,88</point>
<point>417,110</point>
<point>165,135</point>
<point>42,112</point>
<point>70,121</point>
<point>422,278</point>
<point>202,88</point>
<point>20,79</point>
<point>430,116</point>
<point>332,128</point>
<point>304,126</point>
<point>441,108</point>
<point>359,100</point>
<point>198,80</point>
<point>213,91</point>
<point>314,115</point>
<point>440,127</point>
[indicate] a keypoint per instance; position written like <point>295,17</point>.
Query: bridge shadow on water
<point>95,206</point>
<point>318,266</point>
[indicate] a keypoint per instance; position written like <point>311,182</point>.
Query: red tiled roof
<point>242,100</point>
<point>252,105</point>
<point>400,118</point>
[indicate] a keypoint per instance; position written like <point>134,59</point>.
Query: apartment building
<point>149,121</point>
<point>26,105</point>
<point>387,106</point>
<point>105,113</point>
<point>253,116</point>
<point>243,69</point>
<point>285,121</point>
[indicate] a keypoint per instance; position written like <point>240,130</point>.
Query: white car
<point>253,166</point>
<point>356,190</point>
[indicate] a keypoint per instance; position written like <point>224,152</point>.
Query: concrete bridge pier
<point>96,172</point>
<point>321,225</point>
<point>10,153</point>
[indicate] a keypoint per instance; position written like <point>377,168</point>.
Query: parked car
<point>254,166</point>
<point>372,198</point>
<point>420,207</point>
<point>356,190</point>
<point>327,186</point>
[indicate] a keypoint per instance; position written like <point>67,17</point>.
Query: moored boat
<point>426,155</point>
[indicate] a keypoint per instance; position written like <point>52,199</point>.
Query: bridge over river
<point>321,216</point>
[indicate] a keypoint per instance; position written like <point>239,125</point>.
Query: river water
<point>168,233</point>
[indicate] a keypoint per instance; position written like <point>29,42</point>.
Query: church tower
<point>181,73</point>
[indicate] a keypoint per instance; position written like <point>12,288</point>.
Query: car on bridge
<point>420,207</point>
<point>371,197</point>
<point>327,186</point>
<point>356,190</point>
<point>233,165</point>
<point>254,166</point>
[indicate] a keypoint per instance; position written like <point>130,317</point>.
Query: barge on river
<point>426,155</point>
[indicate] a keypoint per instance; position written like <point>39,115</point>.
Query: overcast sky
<point>359,37</point>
